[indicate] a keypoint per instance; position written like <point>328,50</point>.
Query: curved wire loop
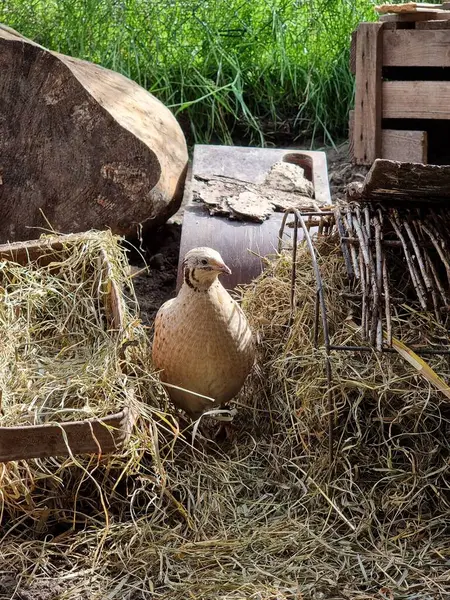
<point>320,307</point>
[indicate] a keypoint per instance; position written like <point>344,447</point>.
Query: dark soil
<point>161,250</point>
<point>158,282</point>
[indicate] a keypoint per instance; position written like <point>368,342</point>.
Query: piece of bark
<point>81,147</point>
<point>289,177</point>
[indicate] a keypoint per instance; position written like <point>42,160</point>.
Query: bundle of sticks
<point>381,243</point>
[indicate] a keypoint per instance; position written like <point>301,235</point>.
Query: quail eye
<point>204,261</point>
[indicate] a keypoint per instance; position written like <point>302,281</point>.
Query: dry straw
<point>258,512</point>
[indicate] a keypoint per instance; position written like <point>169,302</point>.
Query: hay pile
<point>59,355</point>
<point>63,359</point>
<point>261,514</point>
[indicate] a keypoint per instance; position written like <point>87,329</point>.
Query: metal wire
<point>320,305</point>
<point>319,309</point>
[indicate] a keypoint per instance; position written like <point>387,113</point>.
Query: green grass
<point>232,71</point>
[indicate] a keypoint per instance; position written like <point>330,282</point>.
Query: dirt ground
<point>158,284</point>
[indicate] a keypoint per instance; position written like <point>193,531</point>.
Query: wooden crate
<point>92,436</point>
<point>402,97</point>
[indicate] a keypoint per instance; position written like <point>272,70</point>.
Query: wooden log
<point>404,146</point>
<point>393,182</point>
<point>81,146</point>
<point>410,48</point>
<point>367,124</point>
<point>416,100</point>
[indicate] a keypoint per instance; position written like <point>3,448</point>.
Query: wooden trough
<point>92,436</point>
<point>242,244</point>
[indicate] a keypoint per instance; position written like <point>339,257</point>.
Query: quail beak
<point>222,268</point>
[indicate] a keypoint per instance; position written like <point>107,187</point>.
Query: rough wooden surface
<point>351,135</point>
<point>243,244</point>
<point>92,436</point>
<point>404,146</point>
<point>411,48</point>
<point>440,24</point>
<point>390,181</point>
<point>416,100</point>
<point>415,17</point>
<point>407,7</point>
<point>95,436</point>
<point>353,52</point>
<point>367,117</point>
<point>396,144</point>
<point>81,147</point>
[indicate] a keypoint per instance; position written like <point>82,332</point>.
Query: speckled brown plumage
<point>202,340</point>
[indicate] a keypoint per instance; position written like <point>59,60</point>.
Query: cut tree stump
<point>81,147</point>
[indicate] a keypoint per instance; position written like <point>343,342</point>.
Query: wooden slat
<point>353,52</point>
<point>389,181</point>
<point>351,127</point>
<point>367,126</point>
<point>416,100</point>
<point>411,48</point>
<point>93,436</point>
<point>416,17</point>
<point>404,146</point>
<point>433,25</point>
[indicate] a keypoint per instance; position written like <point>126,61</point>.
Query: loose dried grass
<point>59,359</point>
<point>261,514</point>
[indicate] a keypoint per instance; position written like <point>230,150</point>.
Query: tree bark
<point>389,181</point>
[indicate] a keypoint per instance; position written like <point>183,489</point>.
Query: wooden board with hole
<point>242,244</point>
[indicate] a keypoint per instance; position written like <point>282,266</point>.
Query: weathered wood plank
<point>367,124</point>
<point>411,48</point>
<point>351,127</point>
<point>242,244</point>
<point>391,181</point>
<point>433,25</point>
<point>416,17</point>
<point>416,100</point>
<point>353,52</point>
<point>93,436</point>
<point>407,7</point>
<point>404,146</point>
